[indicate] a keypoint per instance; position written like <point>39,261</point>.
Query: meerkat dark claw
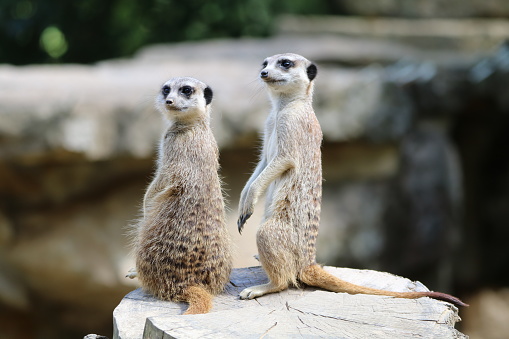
<point>240,225</point>
<point>242,220</point>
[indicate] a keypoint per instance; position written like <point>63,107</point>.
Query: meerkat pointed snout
<point>182,246</point>
<point>290,171</point>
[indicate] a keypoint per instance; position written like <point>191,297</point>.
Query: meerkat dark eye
<point>286,63</point>
<point>166,90</point>
<point>265,63</point>
<point>186,90</point>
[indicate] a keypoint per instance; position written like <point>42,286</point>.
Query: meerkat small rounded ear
<point>311,71</point>
<point>207,93</point>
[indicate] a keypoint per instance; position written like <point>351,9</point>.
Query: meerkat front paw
<point>132,273</point>
<point>246,209</point>
<point>242,220</point>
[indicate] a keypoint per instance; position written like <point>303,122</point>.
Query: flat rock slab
<point>293,313</point>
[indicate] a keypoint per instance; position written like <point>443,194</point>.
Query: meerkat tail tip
<point>200,301</point>
<point>447,297</point>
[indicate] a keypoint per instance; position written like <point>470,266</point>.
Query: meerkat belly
<point>295,206</point>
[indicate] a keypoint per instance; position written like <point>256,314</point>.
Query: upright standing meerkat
<point>290,171</point>
<point>182,246</point>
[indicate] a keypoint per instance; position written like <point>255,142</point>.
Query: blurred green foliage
<point>85,31</point>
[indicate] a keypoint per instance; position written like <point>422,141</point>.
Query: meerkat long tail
<point>200,301</point>
<point>315,275</point>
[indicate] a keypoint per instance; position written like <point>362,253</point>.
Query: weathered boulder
<point>431,35</point>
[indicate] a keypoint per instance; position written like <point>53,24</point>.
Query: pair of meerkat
<point>183,250</point>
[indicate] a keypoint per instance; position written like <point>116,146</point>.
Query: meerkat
<point>182,246</point>
<point>290,171</point>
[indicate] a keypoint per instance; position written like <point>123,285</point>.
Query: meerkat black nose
<point>264,74</point>
<point>169,102</point>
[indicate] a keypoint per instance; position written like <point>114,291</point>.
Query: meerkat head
<point>184,99</point>
<point>288,73</point>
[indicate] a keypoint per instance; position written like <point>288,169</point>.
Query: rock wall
<point>409,151</point>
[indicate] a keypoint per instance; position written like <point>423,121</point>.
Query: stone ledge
<point>293,313</point>
<point>472,34</point>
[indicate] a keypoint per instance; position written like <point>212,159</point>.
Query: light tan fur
<point>290,172</point>
<point>182,246</point>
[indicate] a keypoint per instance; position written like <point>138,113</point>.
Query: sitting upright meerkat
<point>290,171</point>
<point>182,246</point>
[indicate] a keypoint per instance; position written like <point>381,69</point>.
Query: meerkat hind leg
<point>274,261</point>
<point>277,282</point>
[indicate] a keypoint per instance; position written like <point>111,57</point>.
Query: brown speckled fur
<point>290,172</point>
<point>183,249</point>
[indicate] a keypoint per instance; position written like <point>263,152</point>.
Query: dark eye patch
<point>265,63</point>
<point>207,93</point>
<point>186,90</point>
<point>311,72</point>
<point>285,63</point>
<point>166,90</point>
